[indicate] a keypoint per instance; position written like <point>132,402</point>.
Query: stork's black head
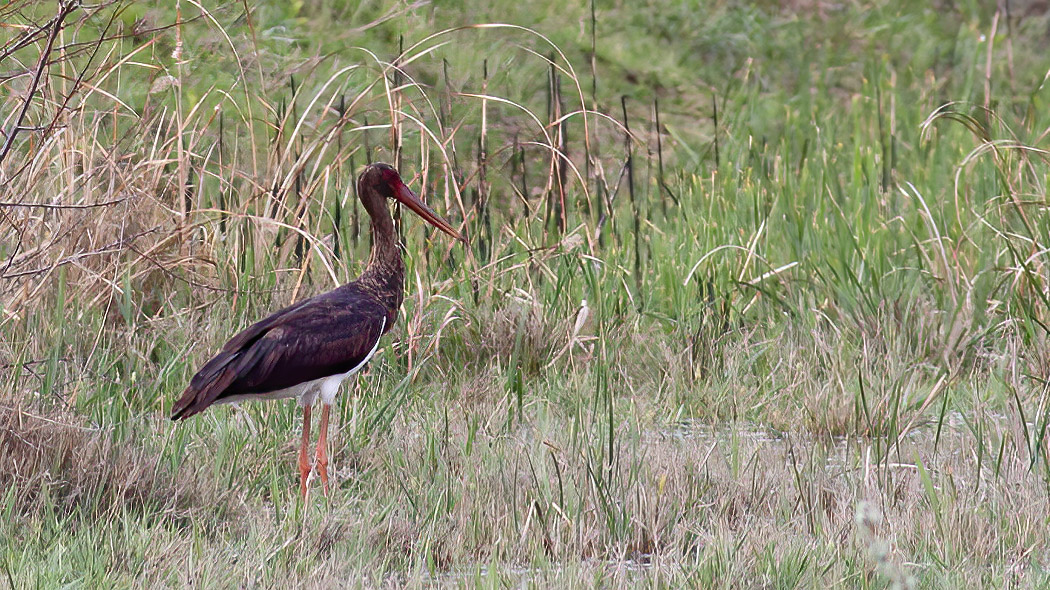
<point>381,181</point>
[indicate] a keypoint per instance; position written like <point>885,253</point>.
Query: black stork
<point>309,348</point>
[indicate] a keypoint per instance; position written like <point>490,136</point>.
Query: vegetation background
<point>812,239</point>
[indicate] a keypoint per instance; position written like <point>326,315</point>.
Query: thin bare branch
<point>64,11</point>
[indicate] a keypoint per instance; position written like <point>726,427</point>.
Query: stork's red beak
<point>405,195</point>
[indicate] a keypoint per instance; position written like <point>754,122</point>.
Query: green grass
<point>817,340</point>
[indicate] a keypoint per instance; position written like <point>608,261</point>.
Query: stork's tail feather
<point>181,408</point>
<point>206,386</point>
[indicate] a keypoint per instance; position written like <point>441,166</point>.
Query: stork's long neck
<point>385,273</point>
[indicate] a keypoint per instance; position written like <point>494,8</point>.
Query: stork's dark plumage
<point>309,348</point>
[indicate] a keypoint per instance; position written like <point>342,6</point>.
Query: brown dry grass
<point>61,461</point>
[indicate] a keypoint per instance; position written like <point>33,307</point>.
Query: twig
<point>64,10</point>
<point>108,249</point>
<point>49,206</point>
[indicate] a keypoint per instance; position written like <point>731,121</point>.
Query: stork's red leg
<point>322,449</point>
<point>304,459</point>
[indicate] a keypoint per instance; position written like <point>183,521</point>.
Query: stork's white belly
<point>306,393</point>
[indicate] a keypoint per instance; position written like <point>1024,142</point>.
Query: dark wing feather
<point>323,336</point>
